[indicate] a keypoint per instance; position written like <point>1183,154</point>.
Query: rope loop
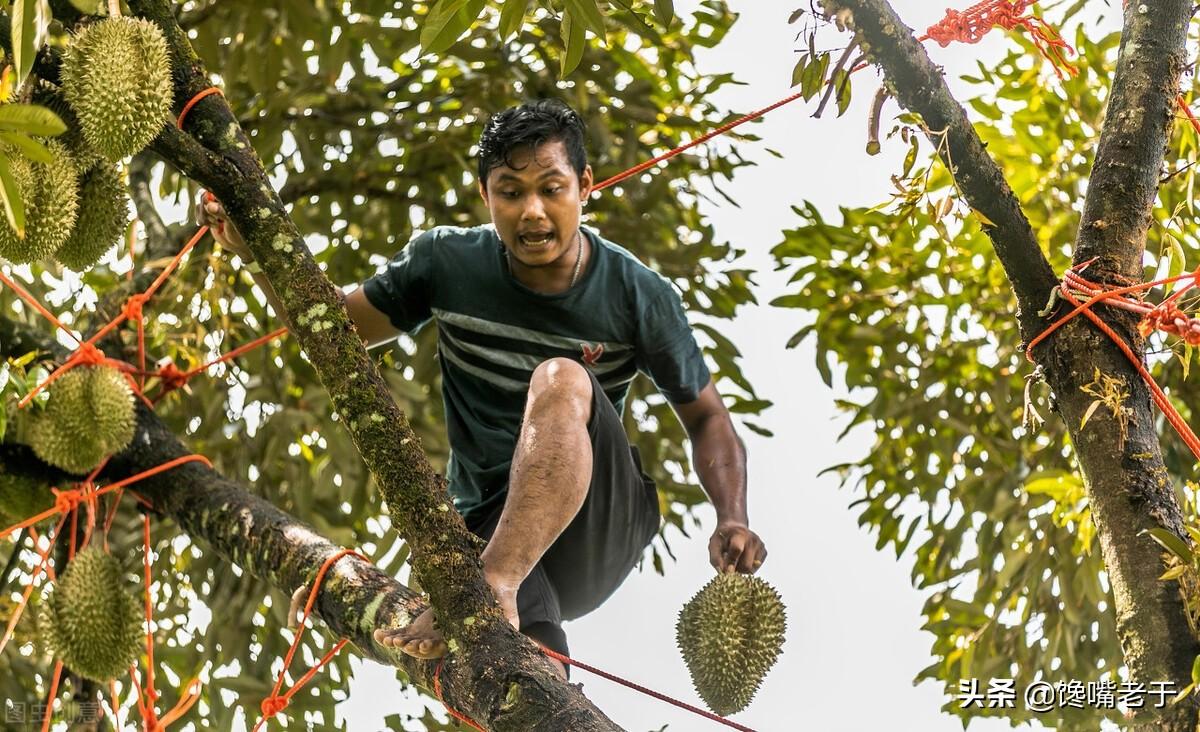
<point>273,705</point>
<point>66,501</point>
<point>193,102</point>
<point>133,306</point>
<point>88,355</point>
<point>171,377</point>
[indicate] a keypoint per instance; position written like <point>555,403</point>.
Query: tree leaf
<point>1088,414</point>
<point>664,10</point>
<point>589,13</point>
<point>1171,543</point>
<point>443,25</point>
<point>88,7</point>
<point>31,119</point>
<point>574,41</point>
<point>511,17</point>
<point>29,147</point>
<point>30,20</point>
<point>14,208</point>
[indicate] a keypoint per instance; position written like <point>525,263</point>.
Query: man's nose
<point>534,210</point>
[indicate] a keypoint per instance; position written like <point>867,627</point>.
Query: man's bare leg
<point>551,470</point>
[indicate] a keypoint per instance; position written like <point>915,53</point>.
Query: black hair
<point>528,126</point>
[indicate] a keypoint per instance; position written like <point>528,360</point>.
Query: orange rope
<point>42,566</point>
<point>276,703</point>
<point>49,716</point>
<point>437,690</point>
<point>972,24</point>
<point>1153,318</point>
<point>192,102</point>
<point>191,694</point>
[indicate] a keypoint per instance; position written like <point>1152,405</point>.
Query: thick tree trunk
<point>355,597</point>
<point>1119,454</point>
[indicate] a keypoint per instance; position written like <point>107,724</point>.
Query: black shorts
<point>601,545</point>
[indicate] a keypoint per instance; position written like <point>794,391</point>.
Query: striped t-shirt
<point>620,318</point>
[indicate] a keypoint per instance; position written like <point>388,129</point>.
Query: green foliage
<point>909,302</point>
<point>371,141</point>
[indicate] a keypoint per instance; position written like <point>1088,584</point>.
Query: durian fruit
<point>52,98</point>
<point>89,620</point>
<point>21,496</point>
<point>49,192</point>
<point>88,417</point>
<point>730,635</point>
<point>117,76</point>
<point>103,214</point>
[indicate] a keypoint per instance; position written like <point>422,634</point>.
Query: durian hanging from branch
<point>90,620</point>
<point>88,417</point>
<point>116,75</point>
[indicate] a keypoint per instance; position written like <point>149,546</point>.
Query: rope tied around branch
<point>972,24</point>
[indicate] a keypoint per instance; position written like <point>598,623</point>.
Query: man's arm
<point>720,460</point>
<point>373,326</point>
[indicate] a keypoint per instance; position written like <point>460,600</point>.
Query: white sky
<point>854,640</point>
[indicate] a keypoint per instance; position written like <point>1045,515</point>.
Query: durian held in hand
<point>89,415</point>
<point>730,634</point>
<point>90,620</point>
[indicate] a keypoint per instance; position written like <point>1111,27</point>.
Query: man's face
<point>536,205</point>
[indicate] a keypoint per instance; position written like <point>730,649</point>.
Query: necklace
<point>578,259</point>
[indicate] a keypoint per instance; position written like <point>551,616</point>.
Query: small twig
<point>873,121</point>
<point>839,66</point>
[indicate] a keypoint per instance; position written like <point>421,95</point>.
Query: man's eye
<point>509,194</point>
<point>553,190</point>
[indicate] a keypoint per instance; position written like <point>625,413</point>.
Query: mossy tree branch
<point>490,659</point>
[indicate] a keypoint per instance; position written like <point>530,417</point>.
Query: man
<point>542,325</point>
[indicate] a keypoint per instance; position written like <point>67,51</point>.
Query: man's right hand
<point>210,213</point>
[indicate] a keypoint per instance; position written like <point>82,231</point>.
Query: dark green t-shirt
<point>619,319</point>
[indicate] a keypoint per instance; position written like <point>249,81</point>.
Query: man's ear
<point>483,193</point>
<point>585,184</point>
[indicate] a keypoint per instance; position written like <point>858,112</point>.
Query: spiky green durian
<point>89,620</point>
<point>49,192</point>
<point>103,214</point>
<point>53,99</point>
<point>88,417</point>
<point>21,496</point>
<point>117,76</point>
<point>730,635</point>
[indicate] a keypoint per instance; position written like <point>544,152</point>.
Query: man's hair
<point>528,126</point>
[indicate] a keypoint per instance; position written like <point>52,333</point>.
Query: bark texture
<point>1128,486</point>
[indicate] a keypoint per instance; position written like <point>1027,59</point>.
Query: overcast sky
<point>854,641</point>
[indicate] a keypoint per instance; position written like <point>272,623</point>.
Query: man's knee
<point>561,383</point>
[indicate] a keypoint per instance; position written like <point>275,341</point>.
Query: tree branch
<point>499,663</point>
<point>355,596</point>
<point>140,169</point>
<point>1129,489</point>
<point>918,85</point>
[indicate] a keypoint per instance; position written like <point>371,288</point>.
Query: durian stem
<point>114,8</point>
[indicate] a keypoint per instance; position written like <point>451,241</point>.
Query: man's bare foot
<point>422,639</point>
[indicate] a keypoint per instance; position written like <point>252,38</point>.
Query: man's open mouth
<point>535,238</point>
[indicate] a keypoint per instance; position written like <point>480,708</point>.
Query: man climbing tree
<point>542,326</point>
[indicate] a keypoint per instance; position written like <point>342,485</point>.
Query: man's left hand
<point>735,548</point>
